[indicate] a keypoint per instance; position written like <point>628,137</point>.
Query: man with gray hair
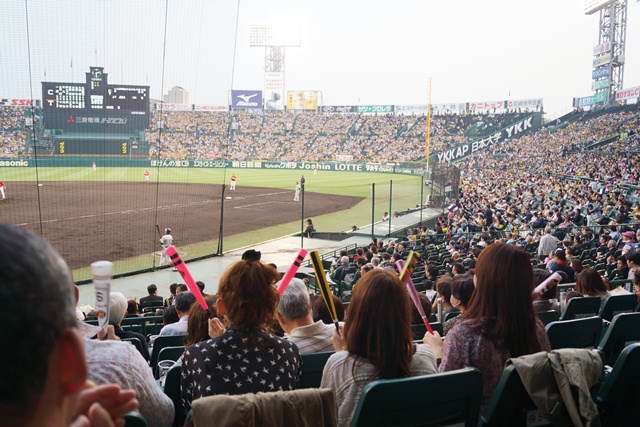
<point>44,380</point>
<point>548,243</point>
<point>294,315</point>
<point>183,304</point>
<point>117,312</point>
<point>340,271</point>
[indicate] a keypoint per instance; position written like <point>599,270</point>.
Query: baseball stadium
<point>129,129</point>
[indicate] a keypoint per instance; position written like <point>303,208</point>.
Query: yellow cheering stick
<point>412,260</point>
<point>321,279</point>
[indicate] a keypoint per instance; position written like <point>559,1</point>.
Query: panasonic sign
<point>246,99</point>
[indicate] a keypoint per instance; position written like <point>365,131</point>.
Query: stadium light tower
<point>274,40</point>
<point>608,61</point>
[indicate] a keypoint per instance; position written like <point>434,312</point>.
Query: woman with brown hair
<point>499,322</point>
<point>376,342</point>
<point>246,358</point>
<point>198,325</point>
<point>590,283</point>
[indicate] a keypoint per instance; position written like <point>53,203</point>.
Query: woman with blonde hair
<point>247,357</point>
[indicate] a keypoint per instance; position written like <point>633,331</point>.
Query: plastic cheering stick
<point>186,276</point>
<point>543,287</point>
<point>321,280</point>
<point>101,271</point>
<point>400,264</point>
<point>291,272</point>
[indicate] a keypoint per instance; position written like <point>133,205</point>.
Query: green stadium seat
<point>576,333</point>
<point>444,399</point>
<point>169,353</point>
<point>548,316</point>
<point>172,389</point>
<point>135,419</point>
<point>616,304</point>
<point>623,330</point>
<point>312,367</point>
<point>137,344</point>
<point>581,307</point>
<point>161,342</point>
<point>419,329</point>
<point>618,400</point>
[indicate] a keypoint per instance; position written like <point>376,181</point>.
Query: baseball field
<point>111,213</point>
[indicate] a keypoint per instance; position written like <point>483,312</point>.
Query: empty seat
<point>617,304</point>
<point>624,330</point>
<point>581,307</point>
<point>577,333</point>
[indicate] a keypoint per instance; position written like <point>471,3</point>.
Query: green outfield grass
<point>404,191</point>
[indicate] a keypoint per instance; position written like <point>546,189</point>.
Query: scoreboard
<point>95,107</point>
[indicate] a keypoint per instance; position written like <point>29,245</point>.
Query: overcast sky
<point>354,52</point>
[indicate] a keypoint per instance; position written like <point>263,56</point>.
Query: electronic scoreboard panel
<point>95,107</point>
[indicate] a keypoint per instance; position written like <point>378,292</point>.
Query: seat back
<point>548,316</point>
<point>616,304</point>
<point>137,344</point>
<point>312,367</point>
<point>168,353</point>
<point>624,330</point>
<point>161,342</point>
<point>618,400</point>
<point>510,404</point>
<point>581,307</point>
<point>577,333</point>
<point>419,329</point>
<point>172,389</point>
<point>451,315</point>
<point>431,400</point>
<point>134,419</point>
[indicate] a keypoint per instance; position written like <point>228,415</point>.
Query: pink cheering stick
<point>186,276</point>
<point>291,272</point>
<point>412,292</point>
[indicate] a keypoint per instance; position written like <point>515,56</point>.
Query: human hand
<point>103,406</point>
<point>337,338</point>
<point>110,335</point>
<point>216,328</point>
<point>435,342</point>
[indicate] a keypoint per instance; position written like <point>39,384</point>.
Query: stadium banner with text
<point>371,109</point>
<point>410,109</point>
<point>485,106</point>
<point>246,99</point>
<point>633,92</point>
<point>600,72</point>
<point>531,123</point>
<point>338,109</point>
<point>600,84</point>
<point>601,60</point>
<point>174,107</point>
<point>214,108</point>
<point>602,48</point>
<point>585,101</point>
<point>600,97</point>
<point>18,102</point>
<point>274,91</point>
<point>525,103</point>
<point>455,108</point>
<point>302,100</point>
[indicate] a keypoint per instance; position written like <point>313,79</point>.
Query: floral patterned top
<point>464,347</point>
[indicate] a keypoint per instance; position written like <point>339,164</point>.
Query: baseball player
<point>296,197</point>
<point>233,182</point>
<point>165,241</point>
<point>2,189</point>
<point>94,165</point>
<point>147,177</point>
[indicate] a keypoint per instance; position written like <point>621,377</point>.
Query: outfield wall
<point>113,161</point>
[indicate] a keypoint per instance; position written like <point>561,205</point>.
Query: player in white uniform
<point>2,188</point>
<point>233,182</point>
<point>166,241</point>
<point>296,197</point>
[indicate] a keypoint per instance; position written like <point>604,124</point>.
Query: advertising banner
<point>214,108</point>
<point>302,100</point>
<point>454,108</point>
<point>486,106</point>
<point>601,60</point>
<point>585,101</point>
<point>274,91</point>
<point>370,109</point>
<point>174,107</point>
<point>633,92</point>
<point>409,109</point>
<point>525,103</point>
<point>600,97</point>
<point>246,99</point>
<point>600,84</point>
<point>600,72</point>
<point>602,48</point>
<point>533,122</point>
<point>338,109</point>
<point>16,102</point>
